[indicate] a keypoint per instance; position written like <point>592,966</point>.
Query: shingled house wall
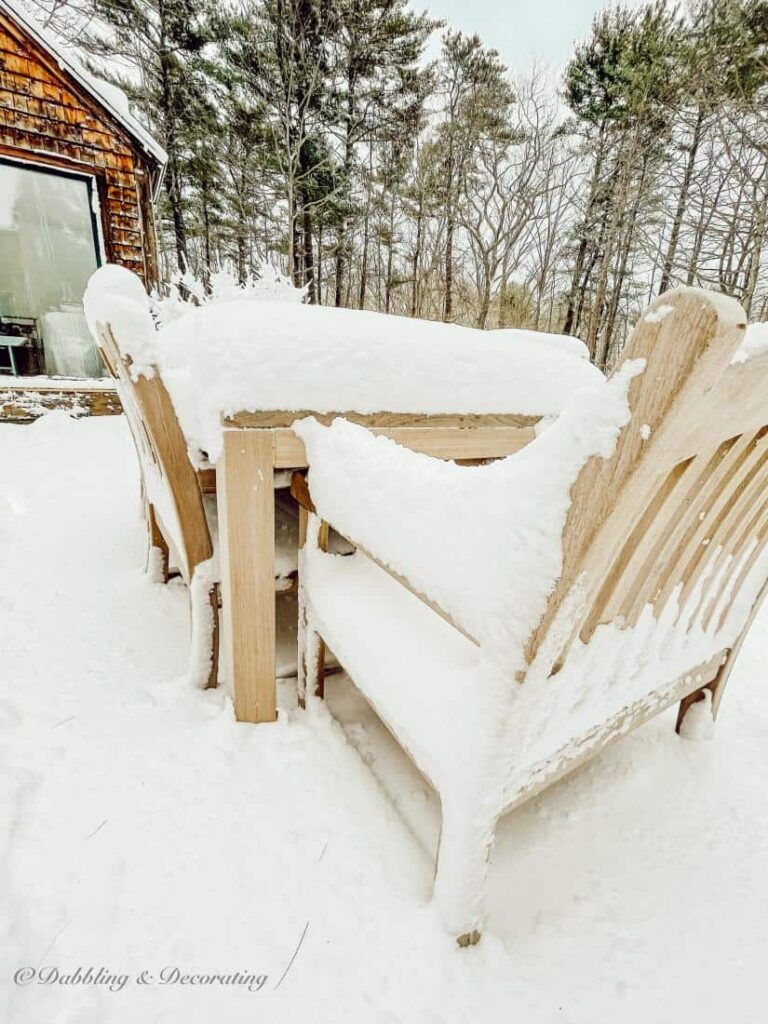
<point>47,118</point>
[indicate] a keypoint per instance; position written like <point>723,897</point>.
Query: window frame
<point>43,166</point>
<point>94,199</point>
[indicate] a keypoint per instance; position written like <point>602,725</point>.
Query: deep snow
<point>142,827</point>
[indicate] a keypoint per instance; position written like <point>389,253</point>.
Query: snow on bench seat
<point>415,669</point>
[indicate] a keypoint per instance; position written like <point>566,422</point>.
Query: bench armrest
<point>482,544</point>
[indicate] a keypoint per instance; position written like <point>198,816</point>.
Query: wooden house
<point>78,177</point>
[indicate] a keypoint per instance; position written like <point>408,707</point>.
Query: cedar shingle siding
<point>46,117</point>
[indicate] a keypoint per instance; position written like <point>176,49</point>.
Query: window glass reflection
<point>48,251</point>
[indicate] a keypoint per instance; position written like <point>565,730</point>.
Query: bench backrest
<point>677,518</point>
<point>170,482</point>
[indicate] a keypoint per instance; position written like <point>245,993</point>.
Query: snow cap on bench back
<point>116,298</point>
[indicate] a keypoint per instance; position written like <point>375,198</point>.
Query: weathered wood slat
<point>457,443</point>
<point>272,419</point>
<point>246,505</point>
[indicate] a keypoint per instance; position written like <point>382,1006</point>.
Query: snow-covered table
<point>240,373</point>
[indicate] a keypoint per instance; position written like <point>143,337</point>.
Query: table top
<point>264,364</point>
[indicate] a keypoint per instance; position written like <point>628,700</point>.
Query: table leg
<point>246,503</point>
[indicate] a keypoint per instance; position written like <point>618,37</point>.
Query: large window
<point>48,250</point>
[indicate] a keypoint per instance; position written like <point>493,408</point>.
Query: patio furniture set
<point>516,590</point>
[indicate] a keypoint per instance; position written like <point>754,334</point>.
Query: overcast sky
<point>521,30</point>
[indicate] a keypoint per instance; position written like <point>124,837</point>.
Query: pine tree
<point>379,46</point>
<point>279,53</point>
<point>163,42</point>
<point>622,87</point>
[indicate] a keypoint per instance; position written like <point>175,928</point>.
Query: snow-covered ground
<point>142,828</point>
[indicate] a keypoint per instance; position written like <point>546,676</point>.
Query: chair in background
<point>179,501</point>
<point>178,530</point>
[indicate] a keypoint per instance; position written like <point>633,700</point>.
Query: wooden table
<point>257,444</point>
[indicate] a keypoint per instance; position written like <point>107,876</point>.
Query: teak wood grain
<point>245,490</point>
<point>687,350</point>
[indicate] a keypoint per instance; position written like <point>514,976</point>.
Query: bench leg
<point>704,693</point>
<point>311,666</point>
<point>311,655</point>
<point>213,675</point>
<point>462,869</point>
<point>157,551</point>
<point>716,687</point>
<point>718,684</point>
<point>204,627</point>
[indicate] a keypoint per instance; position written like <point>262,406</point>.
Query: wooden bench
<point>664,540</point>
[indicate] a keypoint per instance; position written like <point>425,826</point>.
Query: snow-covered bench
<point>508,621</point>
<point>182,523</point>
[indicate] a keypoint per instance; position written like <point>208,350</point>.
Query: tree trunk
<point>596,343</point>
<point>292,247</point>
<point>341,254</point>
<point>569,322</point>
<point>298,276</point>
<point>682,202</point>
<point>172,177</point>
<point>485,295</point>
<point>320,263</point>
<point>241,231</point>
<point>448,306</point>
<point>573,294</point>
<point>693,259</point>
<point>417,256</point>
<point>242,258</point>
<point>309,262</point>
<point>173,193</point>
<point>622,267</point>
<point>340,243</point>
<point>390,254</point>
<point>207,253</point>
<point>449,229</point>
<point>366,227</point>
<point>502,321</point>
<point>757,240</point>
